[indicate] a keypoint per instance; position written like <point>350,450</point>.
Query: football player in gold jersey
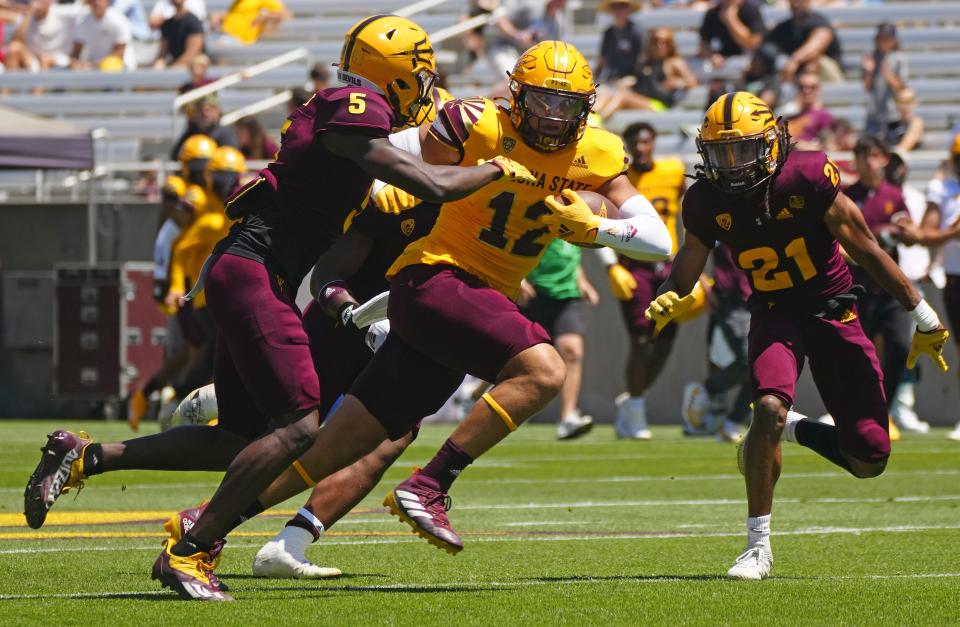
<point>635,282</point>
<point>451,300</point>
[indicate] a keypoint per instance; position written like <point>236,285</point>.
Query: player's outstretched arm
<point>674,297</point>
<point>687,266</point>
<point>432,183</point>
<point>847,224</point>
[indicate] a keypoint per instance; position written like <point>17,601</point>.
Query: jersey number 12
<point>496,234</point>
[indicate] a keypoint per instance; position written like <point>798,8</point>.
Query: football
<point>600,205</point>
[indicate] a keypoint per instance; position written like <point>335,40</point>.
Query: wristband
<point>345,314</point>
<point>925,317</point>
<point>327,299</point>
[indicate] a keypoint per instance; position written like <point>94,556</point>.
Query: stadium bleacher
<point>135,108</point>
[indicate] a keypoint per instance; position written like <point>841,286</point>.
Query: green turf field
<point>594,531</point>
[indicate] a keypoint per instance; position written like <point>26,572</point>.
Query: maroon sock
<point>447,465</point>
<point>822,439</point>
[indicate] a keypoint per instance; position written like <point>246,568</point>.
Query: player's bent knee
<point>549,372</point>
<point>770,410</point>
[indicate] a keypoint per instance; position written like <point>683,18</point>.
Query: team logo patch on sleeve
<point>725,221</point>
<point>509,144</point>
<point>407,226</point>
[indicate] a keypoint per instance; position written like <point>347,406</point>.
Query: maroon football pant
<point>844,366</point>
<point>263,368</point>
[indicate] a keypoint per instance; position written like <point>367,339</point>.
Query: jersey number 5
<point>357,103</point>
<point>495,234</point>
<point>763,263</point>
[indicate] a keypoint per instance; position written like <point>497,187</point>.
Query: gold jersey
<point>495,233</point>
<point>663,186</point>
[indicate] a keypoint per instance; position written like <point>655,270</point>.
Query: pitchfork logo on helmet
<point>553,91</point>
<point>741,142</point>
<point>392,56</point>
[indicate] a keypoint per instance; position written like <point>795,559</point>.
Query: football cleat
<point>282,557</point>
<point>189,577</point>
<point>139,404</point>
<point>694,408</point>
<point>199,407</point>
<point>424,507</point>
<point>168,405</point>
<point>753,564</point>
<point>180,525</point>
<point>573,426</point>
<point>59,471</point>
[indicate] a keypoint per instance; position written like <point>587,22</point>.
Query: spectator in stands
<point>205,120</point>
<point>907,132</point>
<point>198,66</point>
<point>473,40</point>
<point>100,34</point>
<point>730,28</point>
<point>181,38</point>
<point>524,23</point>
<point>660,82</point>
<point>884,76</point>
<point>247,20</point>
<point>298,96</point>
<point>253,141</point>
<point>622,43</point>
<point>163,10</point>
<point>807,36</point>
<point>320,76</point>
<point>43,39</point>
<point>808,120</point>
<point>137,16</point>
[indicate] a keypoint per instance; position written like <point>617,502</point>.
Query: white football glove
<point>377,334</point>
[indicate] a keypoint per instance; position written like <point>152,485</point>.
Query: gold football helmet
<point>741,142</point>
<point>195,153</point>
<point>224,170</point>
<point>553,91</point>
<point>393,56</point>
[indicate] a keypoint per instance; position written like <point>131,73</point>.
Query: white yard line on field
<point>466,585</point>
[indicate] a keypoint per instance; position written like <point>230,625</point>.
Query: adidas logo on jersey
<point>784,214</point>
<point>580,162</point>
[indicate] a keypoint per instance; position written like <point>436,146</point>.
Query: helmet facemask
<point>412,104</point>
<point>739,164</point>
<point>549,119</point>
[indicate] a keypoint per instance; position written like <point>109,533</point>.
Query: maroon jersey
<point>730,283</point>
<point>391,233</point>
<point>301,200</point>
<point>877,206</point>
<point>791,257</point>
